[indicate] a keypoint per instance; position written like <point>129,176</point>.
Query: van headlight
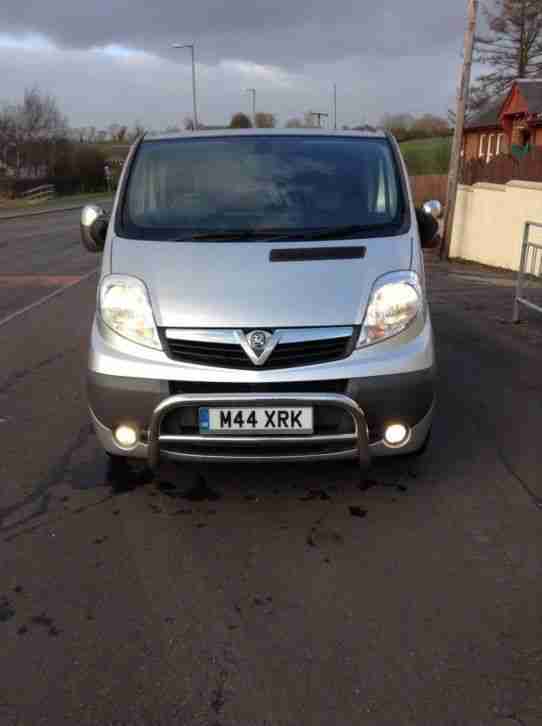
<point>396,301</point>
<point>124,306</point>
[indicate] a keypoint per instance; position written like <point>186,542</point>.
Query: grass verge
<point>427,156</point>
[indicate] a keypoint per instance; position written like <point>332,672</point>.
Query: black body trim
<point>117,398</point>
<point>317,253</point>
<point>122,190</point>
<point>405,397</point>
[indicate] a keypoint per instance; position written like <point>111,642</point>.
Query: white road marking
<point>45,299</point>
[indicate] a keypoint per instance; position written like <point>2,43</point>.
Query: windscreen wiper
<point>342,232</point>
<point>277,234</point>
<point>233,235</point>
<point>319,233</point>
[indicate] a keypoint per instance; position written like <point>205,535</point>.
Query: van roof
<point>377,133</point>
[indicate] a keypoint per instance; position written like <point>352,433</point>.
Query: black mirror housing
<point>428,227</point>
<point>94,223</point>
<point>99,231</point>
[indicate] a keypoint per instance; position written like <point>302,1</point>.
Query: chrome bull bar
<point>359,439</point>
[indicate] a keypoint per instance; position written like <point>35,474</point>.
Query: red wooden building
<point>513,120</point>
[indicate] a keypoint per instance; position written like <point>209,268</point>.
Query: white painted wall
<point>489,222</point>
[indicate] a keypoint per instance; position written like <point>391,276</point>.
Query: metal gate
<point>529,274</point>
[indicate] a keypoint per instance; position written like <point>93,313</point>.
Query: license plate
<point>287,420</point>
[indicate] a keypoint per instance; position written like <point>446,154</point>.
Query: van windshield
<point>255,186</point>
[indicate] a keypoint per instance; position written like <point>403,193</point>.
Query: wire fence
<point>39,194</point>
<point>529,281</point>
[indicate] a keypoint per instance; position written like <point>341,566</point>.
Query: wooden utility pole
<point>462,99</point>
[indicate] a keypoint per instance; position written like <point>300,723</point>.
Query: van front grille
<point>285,355</point>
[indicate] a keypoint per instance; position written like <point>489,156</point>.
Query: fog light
<point>396,434</point>
<point>126,436</point>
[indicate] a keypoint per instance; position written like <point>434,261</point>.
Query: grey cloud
<point>276,31</point>
<point>393,55</point>
<point>95,89</point>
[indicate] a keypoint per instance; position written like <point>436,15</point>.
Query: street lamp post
<point>191,46</point>
<point>253,92</point>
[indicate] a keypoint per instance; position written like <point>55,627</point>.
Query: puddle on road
<point>200,491</point>
<point>315,494</point>
<point>82,479</point>
<point>357,512</point>
<point>6,611</point>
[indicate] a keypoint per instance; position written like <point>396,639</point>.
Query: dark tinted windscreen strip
<point>317,253</point>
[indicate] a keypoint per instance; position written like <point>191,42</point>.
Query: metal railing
<point>529,273</point>
<point>39,194</point>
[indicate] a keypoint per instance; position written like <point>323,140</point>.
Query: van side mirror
<point>94,223</point>
<point>428,226</point>
<point>434,208</point>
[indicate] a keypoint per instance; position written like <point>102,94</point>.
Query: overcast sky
<point>110,61</point>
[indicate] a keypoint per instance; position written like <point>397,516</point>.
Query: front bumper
<point>351,439</point>
<point>392,381</point>
<point>155,445</point>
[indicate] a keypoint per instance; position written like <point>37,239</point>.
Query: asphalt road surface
<point>246,595</point>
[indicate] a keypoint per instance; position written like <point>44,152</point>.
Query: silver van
<point>262,298</point>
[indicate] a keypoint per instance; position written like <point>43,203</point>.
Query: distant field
<point>427,156</point>
<point>422,156</point>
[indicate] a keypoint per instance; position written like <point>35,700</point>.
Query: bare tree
<point>265,120</point>
<point>39,116</point>
<point>429,125</point>
<point>240,121</point>
<point>400,124</point>
<point>9,137</point>
<point>397,121</point>
<point>84,134</point>
<point>309,120</point>
<point>113,130</point>
<point>30,130</point>
<point>136,132</point>
<point>512,47</point>
<point>294,123</point>
<point>362,127</point>
<point>117,132</point>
